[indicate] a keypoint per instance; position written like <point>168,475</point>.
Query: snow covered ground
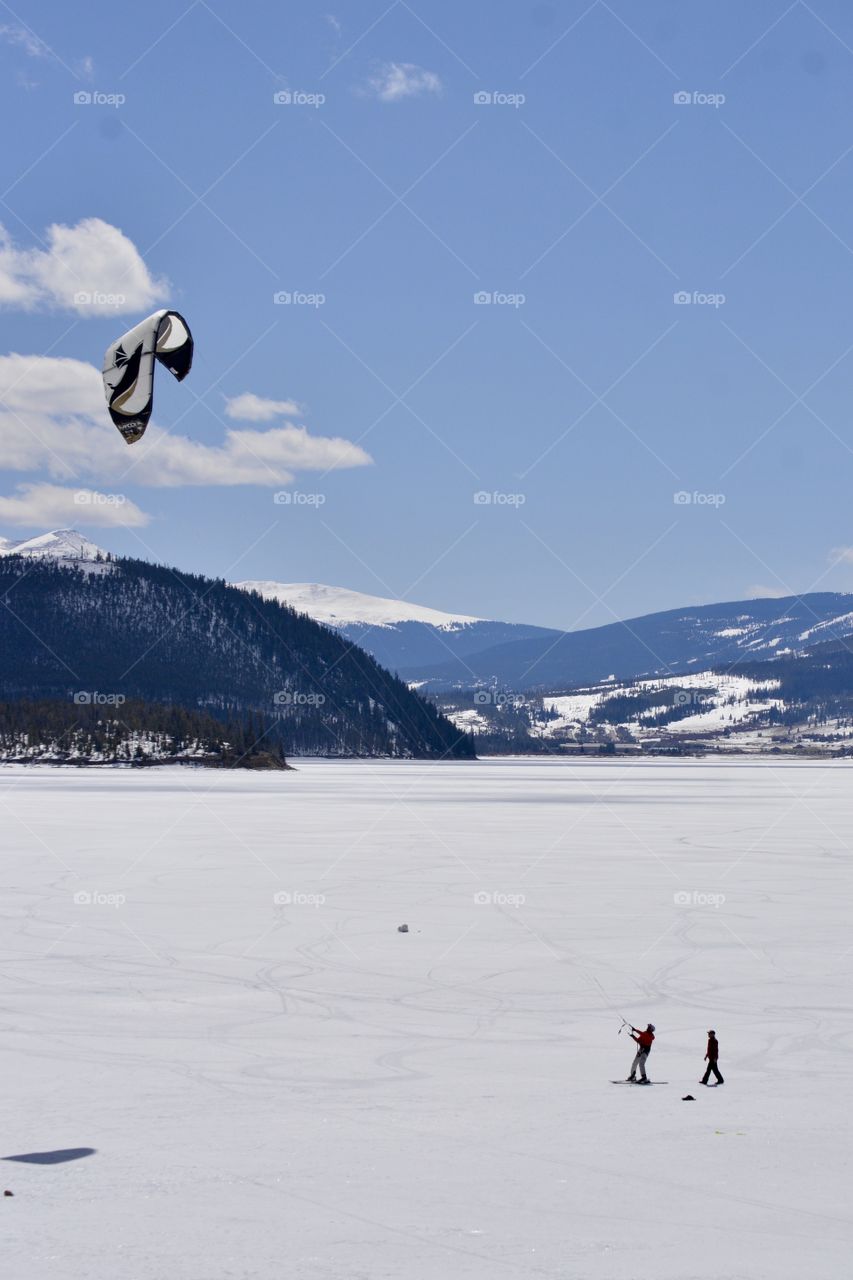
<point>728,701</point>
<point>294,1088</point>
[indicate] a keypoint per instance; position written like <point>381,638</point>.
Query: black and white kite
<point>129,368</point>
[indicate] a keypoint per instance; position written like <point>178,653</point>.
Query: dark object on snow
<point>402,928</point>
<point>53,1157</point>
<point>8,1193</point>
<point>688,1097</point>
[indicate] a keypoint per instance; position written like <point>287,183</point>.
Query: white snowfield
<point>203,981</point>
<point>59,544</point>
<point>340,607</point>
<point>732,701</point>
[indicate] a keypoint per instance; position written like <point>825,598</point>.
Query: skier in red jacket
<point>644,1041</point>
<point>711,1055</point>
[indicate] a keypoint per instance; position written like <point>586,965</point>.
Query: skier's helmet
<point>712,1032</point>
<point>650,1027</point>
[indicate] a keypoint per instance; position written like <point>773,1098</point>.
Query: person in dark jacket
<point>644,1041</point>
<point>711,1056</point>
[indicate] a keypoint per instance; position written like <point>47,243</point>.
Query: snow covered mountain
<point>59,544</point>
<point>398,634</point>
<point>338,607</point>
<point>122,631</point>
<point>654,646</point>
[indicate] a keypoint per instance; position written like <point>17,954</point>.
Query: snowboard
<point>637,1082</point>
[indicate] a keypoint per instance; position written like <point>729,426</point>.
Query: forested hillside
<point>135,630</point>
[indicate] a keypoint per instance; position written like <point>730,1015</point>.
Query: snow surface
<point>59,544</point>
<point>339,607</point>
<point>299,1090</point>
<point>732,700</point>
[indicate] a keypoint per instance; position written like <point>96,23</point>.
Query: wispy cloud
<point>53,418</point>
<point>251,408</point>
<point>758,591</point>
<point>53,506</point>
<point>24,39</point>
<point>91,268</point>
<point>394,81</point>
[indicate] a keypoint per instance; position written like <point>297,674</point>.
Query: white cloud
<point>245,457</point>
<point>53,506</point>
<point>25,39</point>
<point>53,417</point>
<point>251,408</point>
<point>334,23</point>
<point>397,80</point>
<point>91,268</point>
<point>760,592</point>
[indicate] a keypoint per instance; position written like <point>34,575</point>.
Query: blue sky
<point>580,400</point>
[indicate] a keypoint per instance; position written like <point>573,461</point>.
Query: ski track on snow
<point>300,1089</point>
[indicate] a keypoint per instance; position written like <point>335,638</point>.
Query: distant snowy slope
<point>60,544</point>
<point>398,634</point>
<point>658,644</point>
<point>339,607</point>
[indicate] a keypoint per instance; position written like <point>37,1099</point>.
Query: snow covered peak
<point>339,607</point>
<point>59,544</point>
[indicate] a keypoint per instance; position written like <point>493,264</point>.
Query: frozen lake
<point>203,981</point>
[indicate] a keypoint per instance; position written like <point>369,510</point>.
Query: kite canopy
<point>129,368</point>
